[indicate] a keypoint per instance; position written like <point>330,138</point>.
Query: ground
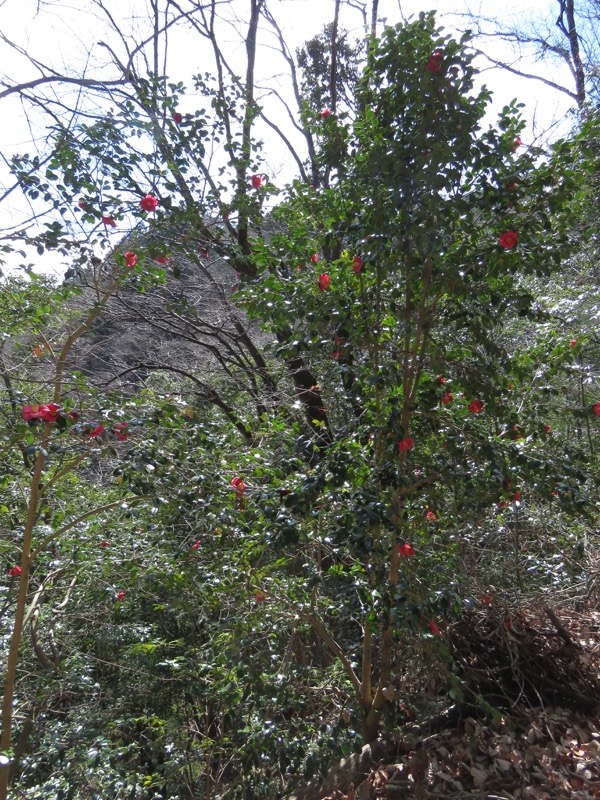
<point>530,729</point>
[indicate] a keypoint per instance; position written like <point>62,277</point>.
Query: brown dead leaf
<point>479,777</point>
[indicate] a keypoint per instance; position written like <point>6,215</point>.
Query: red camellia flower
<point>434,628</point>
<point>162,260</point>
<point>573,343</point>
<point>103,545</point>
<point>406,550</point>
<point>121,431</point>
<point>440,379</point>
<point>315,258</point>
<point>325,113</point>
<point>596,409</point>
<point>260,597</point>
<point>434,63</point>
<point>49,412</point>
<point>406,444</point>
<point>431,516</point>
<point>239,486</point>
<point>357,264</point>
<point>177,117</point>
<point>323,281</point>
<point>475,406</point>
<point>14,572</point>
<point>256,181</point>
<point>121,596</point>
<point>83,205</point>
<point>74,415</point>
<point>97,431</point>
<point>109,222</point>
<point>196,545</point>
<point>149,202</point>
<point>548,428</point>
<point>30,413</point>
<point>447,398</point>
<point>508,240</point>
<point>517,143</point>
<point>130,259</point>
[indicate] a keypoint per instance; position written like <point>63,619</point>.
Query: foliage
<point>318,513</point>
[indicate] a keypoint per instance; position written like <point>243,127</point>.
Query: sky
<point>68,36</point>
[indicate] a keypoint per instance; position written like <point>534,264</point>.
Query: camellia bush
<point>403,277</point>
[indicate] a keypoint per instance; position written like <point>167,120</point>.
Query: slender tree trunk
<point>374,10</point>
<point>334,55</point>
<point>15,642</point>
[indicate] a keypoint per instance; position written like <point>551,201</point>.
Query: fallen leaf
<point>479,777</point>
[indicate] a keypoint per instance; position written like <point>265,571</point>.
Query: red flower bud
<point>121,596</point>
<point>596,409</point>
<point>260,597</point>
<point>431,516</point>
<point>573,343</point>
<point>256,181</point>
<point>109,222</point>
<point>406,550</point>
<point>447,398</point>
<point>406,444</point>
<point>177,117</point>
<point>434,628</point>
<point>357,264</point>
<point>14,572</point>
<point>239,486</point>
<point>325,113</point>
<point>130,259</point>
<point>323,281</point>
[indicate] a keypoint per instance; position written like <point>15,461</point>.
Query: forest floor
<point>531,730</point>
